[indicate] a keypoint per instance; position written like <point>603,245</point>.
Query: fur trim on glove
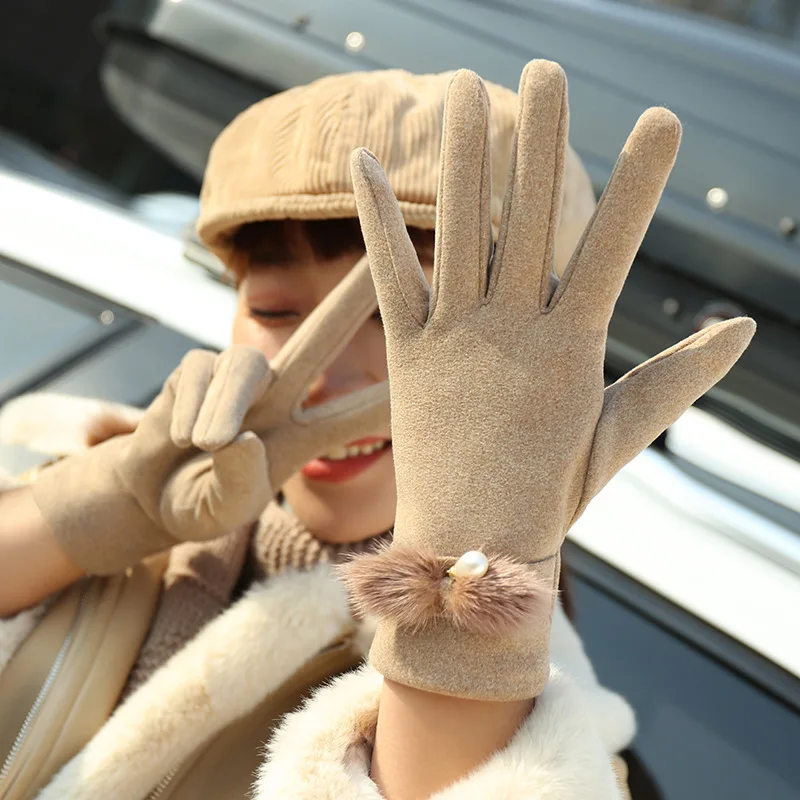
<point>412,588</point>
<point>322,751</point>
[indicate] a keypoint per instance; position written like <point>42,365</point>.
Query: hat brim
<point>216,230</point>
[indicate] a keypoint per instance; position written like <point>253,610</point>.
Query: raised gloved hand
<point>502,430</point>
<point>217,443</point>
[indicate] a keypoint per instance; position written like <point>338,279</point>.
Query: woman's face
<point>338,499</point>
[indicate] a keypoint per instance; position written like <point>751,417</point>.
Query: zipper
<point>163,784</point>
<point>43,692</point>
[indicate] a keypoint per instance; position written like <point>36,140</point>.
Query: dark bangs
<point>280,242</point>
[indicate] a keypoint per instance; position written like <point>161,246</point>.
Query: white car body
<point>112,254</point>
<point>712,555</point>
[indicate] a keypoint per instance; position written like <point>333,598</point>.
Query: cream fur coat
<point>562,752</point>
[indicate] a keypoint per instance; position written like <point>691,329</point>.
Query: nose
<point>343,376</point>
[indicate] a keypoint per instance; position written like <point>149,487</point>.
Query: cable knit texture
<point>281,542</point>
<point>197,586</point>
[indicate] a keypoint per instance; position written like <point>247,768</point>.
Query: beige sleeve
<point>577,207</point>
<point>15,630</point>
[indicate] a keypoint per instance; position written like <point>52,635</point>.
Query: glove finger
<point>646,401</point>
<point>350,417</point>
<point>463,225</point>
<point>598,269</point>
<point>526,242</point>
<point>240,486</point>
<point>333,424</point>
<point>400,283</point>
<point>241,376</point>
<point>213,495</point>
<point>196,372</point>
<point>322,336</point>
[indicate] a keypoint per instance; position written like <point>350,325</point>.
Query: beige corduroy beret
<point>288,156</point>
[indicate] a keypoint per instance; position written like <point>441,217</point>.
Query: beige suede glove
<point>220,439</point>
<point>502,430</point>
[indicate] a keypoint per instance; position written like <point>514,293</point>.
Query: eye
<point>275,316</point>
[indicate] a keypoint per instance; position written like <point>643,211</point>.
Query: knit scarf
<point>281,542</point>
<point>202,577</point>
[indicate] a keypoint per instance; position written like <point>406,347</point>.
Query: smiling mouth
<point>343,463</point>
<point>357,449</point>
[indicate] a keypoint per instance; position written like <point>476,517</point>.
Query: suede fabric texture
<point>213,448</point>
<point>287,157</point>
<point>502,430</point>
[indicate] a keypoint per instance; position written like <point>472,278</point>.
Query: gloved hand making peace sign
<point>217,443</point>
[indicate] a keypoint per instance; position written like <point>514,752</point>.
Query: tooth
<point>367,449</point>
<point>353,451</point>
<point>338,454</point>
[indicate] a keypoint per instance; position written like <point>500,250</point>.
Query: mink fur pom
<point>412,588</point>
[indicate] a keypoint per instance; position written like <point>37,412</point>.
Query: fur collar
<point>612,715</point>
<point>221,675</point>
<point>322,751</point>
<point>60,424</point>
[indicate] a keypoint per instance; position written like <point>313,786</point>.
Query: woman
<point>204,407</point>
<point>278,208</point>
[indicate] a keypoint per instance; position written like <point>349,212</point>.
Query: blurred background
<point>53,105</point>
<point>685,573</point>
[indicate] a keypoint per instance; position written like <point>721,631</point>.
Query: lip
<point>329,471</point>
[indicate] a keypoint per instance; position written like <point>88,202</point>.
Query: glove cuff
<point>94,519</point>
<point>473,634</point>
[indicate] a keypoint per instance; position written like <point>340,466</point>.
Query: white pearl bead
<point>473,564</point>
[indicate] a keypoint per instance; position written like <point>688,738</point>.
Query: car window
<point>45,325</point>
<point>33,327</point>
<point>704,729</point>
<point>58,338</point>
